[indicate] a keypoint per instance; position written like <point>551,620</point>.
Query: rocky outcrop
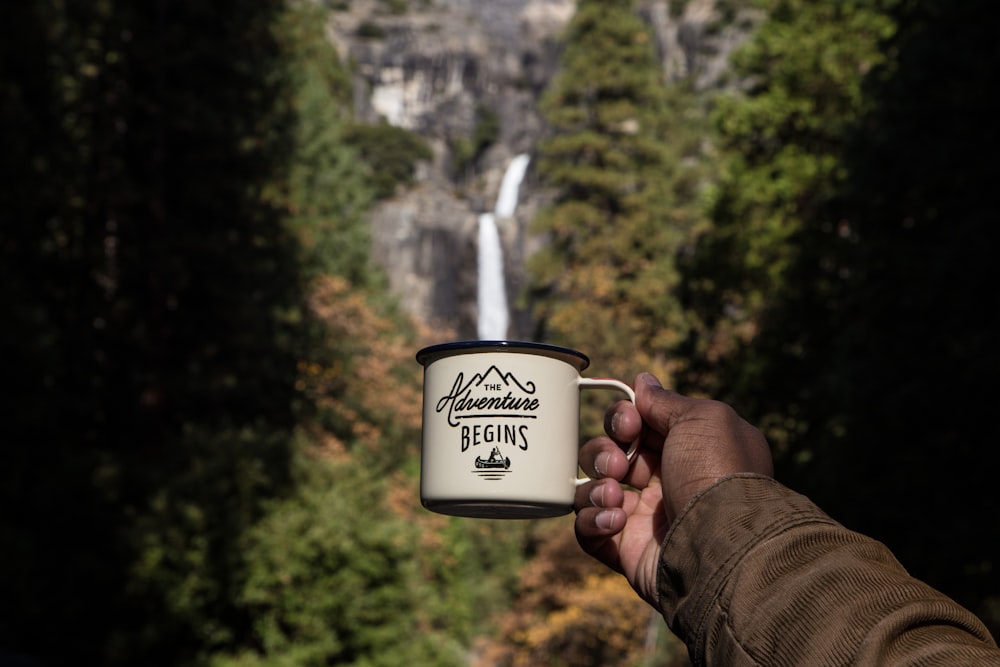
<point>439,68</point>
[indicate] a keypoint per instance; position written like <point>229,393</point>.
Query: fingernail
<point>601,464</point>
<point>605,519</point>
<point>615,418</point>
<point>597,496</point>
<point>651,381</point>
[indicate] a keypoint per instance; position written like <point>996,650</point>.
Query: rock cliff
<point>467,76</point>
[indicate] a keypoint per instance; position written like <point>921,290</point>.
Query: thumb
<point>659,408</point>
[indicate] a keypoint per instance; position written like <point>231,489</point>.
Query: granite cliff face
<point>446,69</point>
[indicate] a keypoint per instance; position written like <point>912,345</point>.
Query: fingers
<point>604,494</point>
<point>623,423</point>
<point>599,503</point>
<point>599,515</point>
<point>602,457</point>
<point>595,527</point>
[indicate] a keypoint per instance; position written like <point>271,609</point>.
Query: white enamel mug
<point>501,428</point>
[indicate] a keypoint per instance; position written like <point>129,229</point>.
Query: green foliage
<point>472,573</point>
<point>370,30</point>
<point>326,195</point>
<point>836,286</point>
<point>334,579</point>
<point>465,151</point>
<point>172,179</point>
<point>781,142</point>
<point>154,257</point>
<point>151,307</point>
<point>390,152</point>
<point>627,182</point>
<point>465,570</point>
<point>396,6</point>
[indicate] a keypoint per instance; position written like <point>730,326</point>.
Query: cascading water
<point>492,293</point>
<point>510,185</point>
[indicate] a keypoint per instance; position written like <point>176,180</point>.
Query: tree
<point>571,610</point>
<point>918,206</point>
<point>780,143</point>
<point>330,585</point>
<point>193,338</point>
<point>390,153</point>
<point>617,162</point>
<point>327,192</point>
<point>151,337</point>
<point>837,280</point>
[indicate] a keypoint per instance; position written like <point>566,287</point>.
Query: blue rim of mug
<point>430,354</point>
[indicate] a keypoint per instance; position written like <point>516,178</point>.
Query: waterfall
<point>509,186</point>
<point>492,293</point>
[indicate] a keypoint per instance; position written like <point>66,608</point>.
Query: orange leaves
<point>571,611</point>
<point>366,383</point>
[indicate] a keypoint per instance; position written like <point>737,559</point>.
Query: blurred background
<point>226,228</point>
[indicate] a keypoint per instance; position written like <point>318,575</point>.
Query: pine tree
<point>624,197</point>
<point>843,282</point>
<point>152,322</point>
<point>780,143</point>
<point>327,193</point>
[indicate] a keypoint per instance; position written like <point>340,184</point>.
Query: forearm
<point>752,573</point>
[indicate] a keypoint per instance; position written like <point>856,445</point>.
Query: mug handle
<point>609,383</point>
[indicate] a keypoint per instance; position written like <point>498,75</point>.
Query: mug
<point>501,425</point>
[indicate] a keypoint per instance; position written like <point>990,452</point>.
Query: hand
<point>688,444</point>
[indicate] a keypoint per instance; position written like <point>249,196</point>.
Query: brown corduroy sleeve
<point>752,573</point>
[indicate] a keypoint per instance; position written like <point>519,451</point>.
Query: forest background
<point>211,425</point>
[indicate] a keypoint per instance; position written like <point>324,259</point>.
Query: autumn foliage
<point>570,610</point>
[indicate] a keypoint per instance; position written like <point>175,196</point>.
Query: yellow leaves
<point>625,326</point>
<point>370,382</point>
<point>583,290</point>
<point>313,373</point>
<point>571,611</point>
<point>600,601</point>
<point>401,501</point>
